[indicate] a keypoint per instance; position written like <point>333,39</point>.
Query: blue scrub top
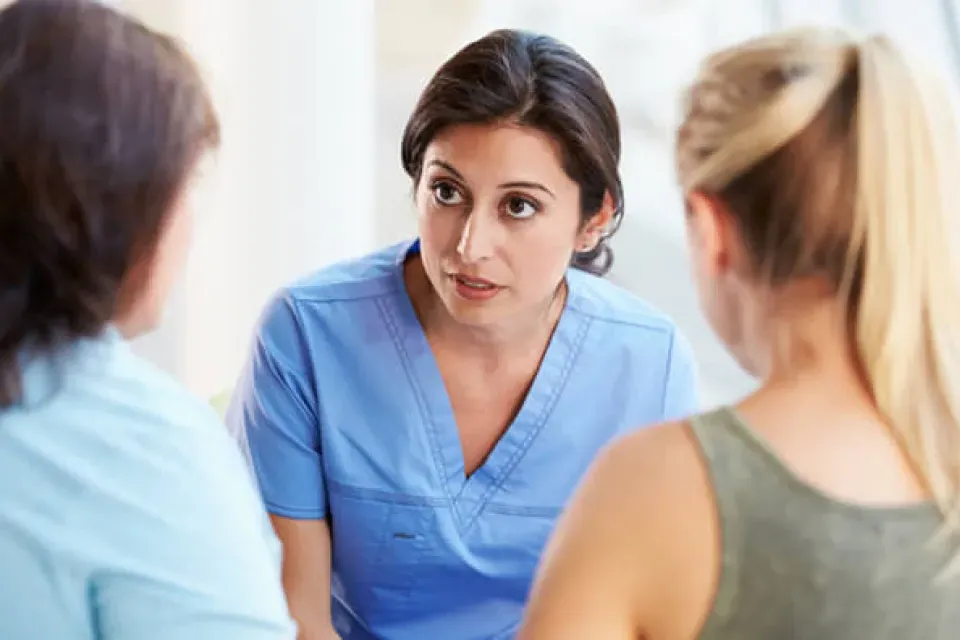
<point>345,416</point>
<point>127,512</point>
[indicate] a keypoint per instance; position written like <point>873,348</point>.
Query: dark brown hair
<point>101,123</point>
<point>532,80</point>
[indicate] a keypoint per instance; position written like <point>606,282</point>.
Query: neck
<point>805,338</point>
<point>516,337</point>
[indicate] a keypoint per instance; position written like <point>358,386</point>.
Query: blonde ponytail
<point>757,116</point>
<point>841,160</point>
<point>905,227</point>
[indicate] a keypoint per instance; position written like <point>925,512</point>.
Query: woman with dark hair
<point>416,418</point>
<point>127,510</point>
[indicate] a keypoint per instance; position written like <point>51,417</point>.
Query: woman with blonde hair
<point>815,170</point>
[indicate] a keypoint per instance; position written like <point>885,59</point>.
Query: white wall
<point>293,185</point>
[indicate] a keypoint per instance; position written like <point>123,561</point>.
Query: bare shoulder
<point>665,448</point>
<point>649,469</point>
<point>639,540</point>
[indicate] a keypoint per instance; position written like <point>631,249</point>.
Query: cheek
<point>171,255</point>
<point>179,239</point>
<point>438,231</point>
<point>542,255</point>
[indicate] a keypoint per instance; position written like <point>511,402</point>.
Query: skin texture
<point>637,553</point>
<point>306,575</point>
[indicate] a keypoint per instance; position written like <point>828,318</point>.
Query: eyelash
<point>434,186</point>
<point>510,199</point>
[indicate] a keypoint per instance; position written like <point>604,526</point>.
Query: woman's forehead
<point>497,153</point>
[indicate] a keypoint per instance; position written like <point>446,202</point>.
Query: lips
<point>474,283</point>
<point>474,289</point>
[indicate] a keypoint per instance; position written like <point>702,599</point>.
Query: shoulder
<point>636,488</point>
<point>109,415</point>
<point>153,423</point>
<point>665,452</point>
<point>363,277</point>
<point>634,485</point>
<point>166,485</point>
<point>627,317</point>
<point>645,502</point>
<point>648,469</point>
<point>104,377</point>
<point>169,446</point>
<point>325,298</point>
<point>158,396</point>
<point>610,303</point>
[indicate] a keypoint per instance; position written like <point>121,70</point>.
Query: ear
<point>590,235</point>
<point>710,233</point>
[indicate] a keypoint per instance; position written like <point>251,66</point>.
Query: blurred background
<point>314,95</point>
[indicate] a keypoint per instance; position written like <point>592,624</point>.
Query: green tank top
<point>799,565</point>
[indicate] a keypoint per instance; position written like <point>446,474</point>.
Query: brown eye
<point>446,194</point>
<point>520,208</point>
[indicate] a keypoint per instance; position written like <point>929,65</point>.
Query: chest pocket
<point>398,559</point>
<point>378,541</point>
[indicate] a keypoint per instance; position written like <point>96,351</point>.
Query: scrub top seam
<point>293,512</point>
<point>303,296</point>
<point>421,403</point>
<point>385,497</point>
<point>541,420</point>
<point>651,325</point>
<point>669,373</point>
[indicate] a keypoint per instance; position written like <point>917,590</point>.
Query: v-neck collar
<point>469,495</point>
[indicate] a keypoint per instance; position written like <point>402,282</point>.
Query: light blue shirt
<point>126,512</point>
<point>345,416</point>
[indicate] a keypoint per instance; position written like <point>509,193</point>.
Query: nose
<point>476,239</point>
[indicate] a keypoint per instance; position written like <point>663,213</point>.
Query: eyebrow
<point>520,184</point>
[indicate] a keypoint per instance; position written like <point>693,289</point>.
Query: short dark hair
<point>101,123</point>
<point>536,81</point>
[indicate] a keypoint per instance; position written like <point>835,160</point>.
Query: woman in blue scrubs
<point>127,511</point>
<point>418,417</point>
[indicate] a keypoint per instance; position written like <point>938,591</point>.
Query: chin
<point>477,316</point>
<point>470,312</point>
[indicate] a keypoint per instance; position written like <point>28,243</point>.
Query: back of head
<point>103,122</point>
<point>536,81</point>
<point>833,155</point>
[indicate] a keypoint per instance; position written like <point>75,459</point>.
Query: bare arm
<point>635,554</point>
<point>583,588</point>
<point>275,417</point>
<point>306,575</point>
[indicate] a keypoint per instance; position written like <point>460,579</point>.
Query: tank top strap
<point>730,459</point>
